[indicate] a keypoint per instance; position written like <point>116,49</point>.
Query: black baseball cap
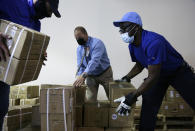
<point>54,6</point>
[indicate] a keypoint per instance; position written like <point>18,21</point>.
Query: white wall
<point>174,19</point>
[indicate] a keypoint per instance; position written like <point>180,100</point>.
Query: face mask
<point>128,39</point>
<point>41,10</point>
<point>81,41</point>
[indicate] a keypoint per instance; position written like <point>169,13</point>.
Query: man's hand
<point>80,80</point>
<point>44,57</point>
<point>4,51</point>
<point>124,79</point>
<point>125,104</point>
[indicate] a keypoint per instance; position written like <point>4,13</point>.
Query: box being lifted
<point>27,48</point>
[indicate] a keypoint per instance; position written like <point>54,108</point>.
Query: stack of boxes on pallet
<point>27,48</point>
<point>174,114</point>
<point>22,98</point>
<point>64,108</point>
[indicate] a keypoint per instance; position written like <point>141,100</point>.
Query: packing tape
<point>64,110</point>
<point>18,92</point>
<point>47,109</point>
<point>39,57</point>
<point>27,58</point>
<point>8,67</point>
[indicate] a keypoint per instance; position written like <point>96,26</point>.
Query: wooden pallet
<point>167,123</point>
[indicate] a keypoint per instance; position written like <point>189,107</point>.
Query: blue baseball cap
<point>129,17</point>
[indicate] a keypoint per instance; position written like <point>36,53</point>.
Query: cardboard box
<point>78,116</point>
<point>14,102</point>
<point>185,110</point>
<point>56,122</point>
<point>57,100</point>
<point>173,95</point>
<point>79,98</point>
<point>27,48</point>
<point>24,92</point>
<point>169,109</point>
<point>119,89</point>
<point>17,117</point>
<point>32,101</point>
<point>120,121</point>
<point>96,114</point>
<point>90,129</point>
<point>36,116</point>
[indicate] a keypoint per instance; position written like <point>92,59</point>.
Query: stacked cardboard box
<point>17,118</point>
<point>102,116</point>
<point>24,92</point>
<point>56,108</point>
<point>174,105</point>
<point>36,116</point>
<point>27,48</point>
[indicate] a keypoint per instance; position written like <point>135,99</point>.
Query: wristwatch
<point>84,75</point>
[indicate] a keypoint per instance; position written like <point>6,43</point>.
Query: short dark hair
<point>81,28</point>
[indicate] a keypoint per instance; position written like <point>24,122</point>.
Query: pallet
<point>168,123</point>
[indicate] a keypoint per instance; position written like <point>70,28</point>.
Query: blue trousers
<point>183,80</point>
<point>4,101</point>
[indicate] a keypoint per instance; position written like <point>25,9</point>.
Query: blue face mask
<point>128,39</point>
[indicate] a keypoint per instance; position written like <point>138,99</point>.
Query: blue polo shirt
<point>155,49</point>
<point>19,11</point>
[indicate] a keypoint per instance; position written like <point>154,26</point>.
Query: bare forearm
<point>135,71</point>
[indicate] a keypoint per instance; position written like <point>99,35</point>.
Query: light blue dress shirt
<point>96,60</point>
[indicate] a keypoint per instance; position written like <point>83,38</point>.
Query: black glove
<point>125,104</point>
<point>124,79</point>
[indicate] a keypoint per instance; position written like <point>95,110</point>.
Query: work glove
<point>124,79</point>
<point>126,103</point>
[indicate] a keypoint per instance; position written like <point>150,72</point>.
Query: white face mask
<point>128,39</point>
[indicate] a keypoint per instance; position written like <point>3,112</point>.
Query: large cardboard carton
<point>185,110</point>
<point>32,101</point>
<point>24,92</point>
<point>119,89</point>
<point>79,97</point>
<point>56,122</point>
<point>57,100</point>
<point>96,114</point>
<point>14,102</point>
<point>169,109</point>
<point>17,117</point>
<point>173,95</point>
<point>120,121</point>
<point>78,116</point>
<point>36,116</point>
<point>27,48</point>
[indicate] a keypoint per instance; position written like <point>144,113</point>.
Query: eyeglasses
<point>126,28</point>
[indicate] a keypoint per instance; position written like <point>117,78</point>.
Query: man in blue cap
<point>165,67</point>
<point>27,13</point>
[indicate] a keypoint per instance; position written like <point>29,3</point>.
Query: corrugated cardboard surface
<point>36,116</point>
<point>27,48</point>
<point>120,121</point>
<point>119,89</point>
<point>78,116</point>
<point>27,42</point>
<point>24,92</point>
<point>20,71</point>
<point>56,99</point>
<point>79,95</point>
<point>56,122</point>
<point>17,117</point>
<point>96,114</point>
